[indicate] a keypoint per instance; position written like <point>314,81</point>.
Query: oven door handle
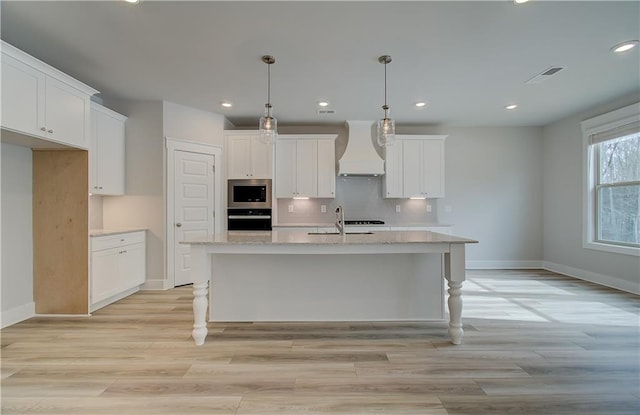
<point>249,216</point>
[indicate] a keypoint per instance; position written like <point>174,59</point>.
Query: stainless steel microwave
<point>249,194</point>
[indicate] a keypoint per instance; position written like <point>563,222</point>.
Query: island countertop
<point>306,238</point>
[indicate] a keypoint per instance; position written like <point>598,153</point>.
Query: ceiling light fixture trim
<point>624,46</point>
<point>268,124</point>
<point>386,131</point>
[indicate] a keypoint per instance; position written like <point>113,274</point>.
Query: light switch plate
<point>290,208</point>
<point>397,208</point>
<point>323,208</point>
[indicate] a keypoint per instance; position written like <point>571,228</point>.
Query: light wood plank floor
<point>535,343</point>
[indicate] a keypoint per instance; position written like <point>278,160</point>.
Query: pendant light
<point>268,123</point>
<point>386,127</point>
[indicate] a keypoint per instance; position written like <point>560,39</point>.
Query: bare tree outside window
<point>618,191</point>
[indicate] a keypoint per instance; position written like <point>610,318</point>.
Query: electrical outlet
<point>323,208</point>
<point>428,208</point>
<point>397,208</point>
<point>290,208</point>
<point>448,208</point>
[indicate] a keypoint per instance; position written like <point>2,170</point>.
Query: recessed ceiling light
<point>625,46</point>
<point>226,104</point>
<point>511,106</point>
<point>520,1</point>
<point>420,104</point>
<point>133,1</point>
<point>323,103</point>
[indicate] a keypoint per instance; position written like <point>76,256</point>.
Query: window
<point>612,191</point>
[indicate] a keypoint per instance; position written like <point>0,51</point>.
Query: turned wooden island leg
<point>201,272</point>
<point>454,272</point>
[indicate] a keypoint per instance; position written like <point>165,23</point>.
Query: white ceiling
<point>466,59</point>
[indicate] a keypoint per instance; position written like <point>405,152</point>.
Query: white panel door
<point>22,97</point>
<point>193,206</point>
<point>67,113</point>
<point>261,159</point>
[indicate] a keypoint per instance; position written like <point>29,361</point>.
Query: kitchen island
<point>297,276</point>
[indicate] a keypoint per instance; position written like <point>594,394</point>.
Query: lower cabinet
<point>117,266</point>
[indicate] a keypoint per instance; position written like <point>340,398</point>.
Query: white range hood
<point>360,158</point>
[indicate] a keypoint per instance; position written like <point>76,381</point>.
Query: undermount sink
<point>338,233</point>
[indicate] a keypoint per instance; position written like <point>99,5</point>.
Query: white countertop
<point>301,237</point>
<point>115,231</point>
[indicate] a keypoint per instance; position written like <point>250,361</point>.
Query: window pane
<point>620,159</point>
<point>619,214</point>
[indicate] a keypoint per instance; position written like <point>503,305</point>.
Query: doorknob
<point>179,225</point>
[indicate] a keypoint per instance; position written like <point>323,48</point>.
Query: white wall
<point>17,234</point>
<point>493,193</point>
<point>563,201</point>
<point>192,124</point>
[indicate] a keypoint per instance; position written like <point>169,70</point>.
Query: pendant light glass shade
<point>386,133</point>
<point>268,124</point>
<point>386,130</point>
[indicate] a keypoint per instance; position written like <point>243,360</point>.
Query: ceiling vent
<point>546,74</point>
<point>326,111</point>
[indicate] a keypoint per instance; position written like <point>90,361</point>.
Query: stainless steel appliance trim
<point>249,217</point>
<point>249,182</point>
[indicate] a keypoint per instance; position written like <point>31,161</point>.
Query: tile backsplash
<point>361,198</point>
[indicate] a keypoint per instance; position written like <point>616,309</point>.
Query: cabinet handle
<point>50,131</point>
<point>43,129</point>
<point>178,225</point>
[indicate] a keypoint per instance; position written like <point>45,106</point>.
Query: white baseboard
<point>593,277</point>
<point>17,314</point>
<point>504,264</point>
<point>156,285</point>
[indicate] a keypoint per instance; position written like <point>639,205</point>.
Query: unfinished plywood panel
<point>60,232</point>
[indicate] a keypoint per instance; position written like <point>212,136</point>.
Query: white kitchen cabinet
<point>392,183</point>
<point>415,167</point>
<point>42,102</point>
<point>117,266</point>
<point>305,166</point>
<point>247,156</point>
<point>107,152</point>
<point>326,168</point>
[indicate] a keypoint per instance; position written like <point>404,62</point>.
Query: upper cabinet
<point>414,167</point>
<point>107,151</point>
<point>42,102</point>
<point>305,166</point>
<point>247,156</point>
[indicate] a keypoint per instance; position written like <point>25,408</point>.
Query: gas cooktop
<point>364,222</point>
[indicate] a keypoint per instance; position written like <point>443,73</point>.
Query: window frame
<point>606,122</point>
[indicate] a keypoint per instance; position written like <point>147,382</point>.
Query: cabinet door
<point>110,157</point>
<point>261,159</point>
<point>132,266</point>
<point>286,168</point>
<point>22,97</point>
<point>393,170</point>
<point>307,168</point>
<point>432,168</point>
<point>239,157</point>
<point>67,114</point>
<point>326,168</point>
<point>412,168</point>
<point>105,271</point>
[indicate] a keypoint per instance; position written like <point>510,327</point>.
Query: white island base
<point>300,277</point>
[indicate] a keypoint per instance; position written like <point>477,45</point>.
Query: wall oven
<point>249,219</point>
<point>249,205</point>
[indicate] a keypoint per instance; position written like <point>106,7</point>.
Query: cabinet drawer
<point>98,243</point>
